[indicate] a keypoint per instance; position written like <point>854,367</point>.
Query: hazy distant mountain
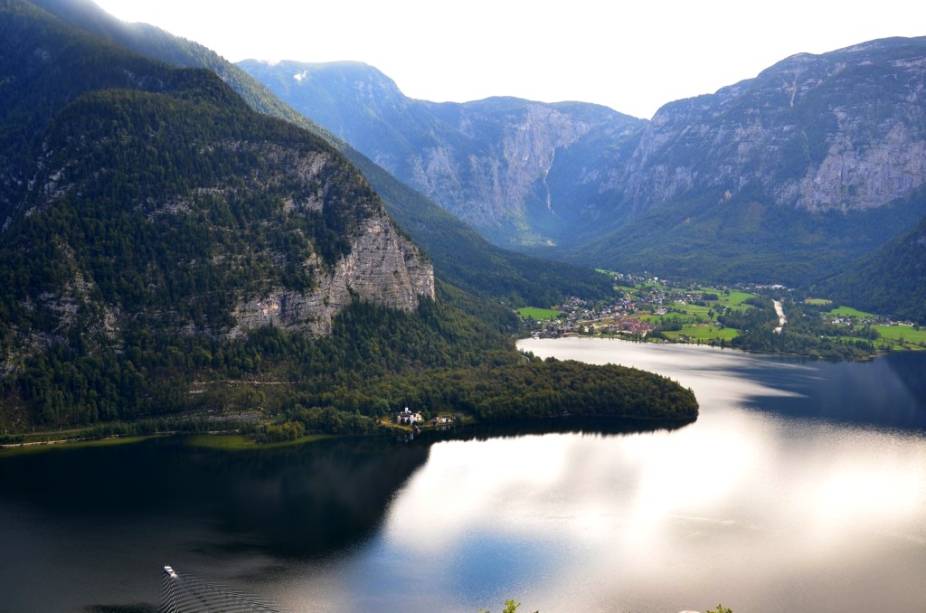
<point>513,168</point>
<point>787,177</point>
<point>460,255</point>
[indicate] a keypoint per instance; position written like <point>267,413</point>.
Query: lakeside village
<point>645,304</point>
<point>651,308</point>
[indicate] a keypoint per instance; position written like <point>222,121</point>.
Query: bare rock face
<point>842,131</point>
<point>500,164</point>
<point>383,267</point>
<point>839,132</point>
<point>372,261</point>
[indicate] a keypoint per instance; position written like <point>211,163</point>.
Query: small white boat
<point>169,570</point>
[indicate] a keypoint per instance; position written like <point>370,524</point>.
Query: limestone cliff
<point>507,166</point>
<point>153,203</point>
<point>841,131</point>
<point>383,267</point>
<point>816,160</point>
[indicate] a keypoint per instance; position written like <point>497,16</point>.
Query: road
<point>782,320</point>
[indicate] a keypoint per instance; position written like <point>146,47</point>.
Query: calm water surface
<point>801,487</point>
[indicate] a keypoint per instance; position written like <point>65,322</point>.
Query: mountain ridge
<point>455,153</point>
<point>824,150</point>
<point>463,257</point>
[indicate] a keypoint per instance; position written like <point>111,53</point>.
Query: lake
<point>801,487</point>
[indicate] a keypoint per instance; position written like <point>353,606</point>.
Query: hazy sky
<point>632,56</point>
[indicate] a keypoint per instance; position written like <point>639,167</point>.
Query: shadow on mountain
<point>889,392</point>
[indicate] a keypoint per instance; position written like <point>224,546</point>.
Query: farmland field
<point>902,333</point>
<point>846,311</point>
<point>538,313</point>
<point>703,332</point>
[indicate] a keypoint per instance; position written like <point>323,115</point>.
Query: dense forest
<point>805,334</point>
<point>891,281</point>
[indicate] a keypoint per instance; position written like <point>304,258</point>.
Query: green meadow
<point>703,332</point>
<point>904,334</point>
<point>847,311</point>
<point>538,313</point>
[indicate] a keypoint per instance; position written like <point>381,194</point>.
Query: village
<point>650,308</point>
<point>636,313</point>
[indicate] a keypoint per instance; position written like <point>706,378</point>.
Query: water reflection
<point>801,487</point>
<point>887,392</point>
<point>97,524</point>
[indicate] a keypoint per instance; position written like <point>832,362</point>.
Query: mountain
<point>789,177</point>
<point>460,255</point>
<point>891,281</point>
<point>161,223</point>
<point>511,168</point>
<point>149,41</point>
<point>172,259</point>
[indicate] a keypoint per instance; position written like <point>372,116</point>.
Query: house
<point>406,417</point>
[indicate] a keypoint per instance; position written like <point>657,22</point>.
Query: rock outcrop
<point>843,131</point>
<point>383,267</point>
<point>507,166</point>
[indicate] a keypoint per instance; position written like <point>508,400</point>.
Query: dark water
<point>802,487</point>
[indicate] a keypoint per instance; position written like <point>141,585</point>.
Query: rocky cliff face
<point>841,131</point>
<point>154,201</point>
<point>819,156</point>
<point>494,163</point>
<point>383,267</point>
<point>375,262</point>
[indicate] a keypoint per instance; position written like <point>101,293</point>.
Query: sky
<point>631,56</point>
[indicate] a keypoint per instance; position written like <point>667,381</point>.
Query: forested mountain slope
<point>168,253</point>
<point>152,201</point>
<point>891,281</point>
<point>460,255</point>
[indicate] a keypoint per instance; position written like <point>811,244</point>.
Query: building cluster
<point>407,417</point>
<point>622,316</point>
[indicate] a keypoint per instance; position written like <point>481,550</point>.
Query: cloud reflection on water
<point>746,506</point>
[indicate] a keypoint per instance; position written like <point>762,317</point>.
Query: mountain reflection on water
<point>802,486</point>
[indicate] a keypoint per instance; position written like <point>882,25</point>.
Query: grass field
<point>732,300</point>
<point>538,313</point>
<point>902,333</point>
<point>817,301</point>
<point>703,332</point>
<point>846,311</point>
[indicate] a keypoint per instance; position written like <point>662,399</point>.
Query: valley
<point>283,331</point>
<point>654,309</point>
<point>792,177</point>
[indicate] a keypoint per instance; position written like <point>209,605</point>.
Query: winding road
<point>782,320</point>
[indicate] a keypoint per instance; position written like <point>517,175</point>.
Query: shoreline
<point>716,346</point>
<point>234,442</point>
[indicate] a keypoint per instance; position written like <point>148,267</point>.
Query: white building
<point>408,418</point>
